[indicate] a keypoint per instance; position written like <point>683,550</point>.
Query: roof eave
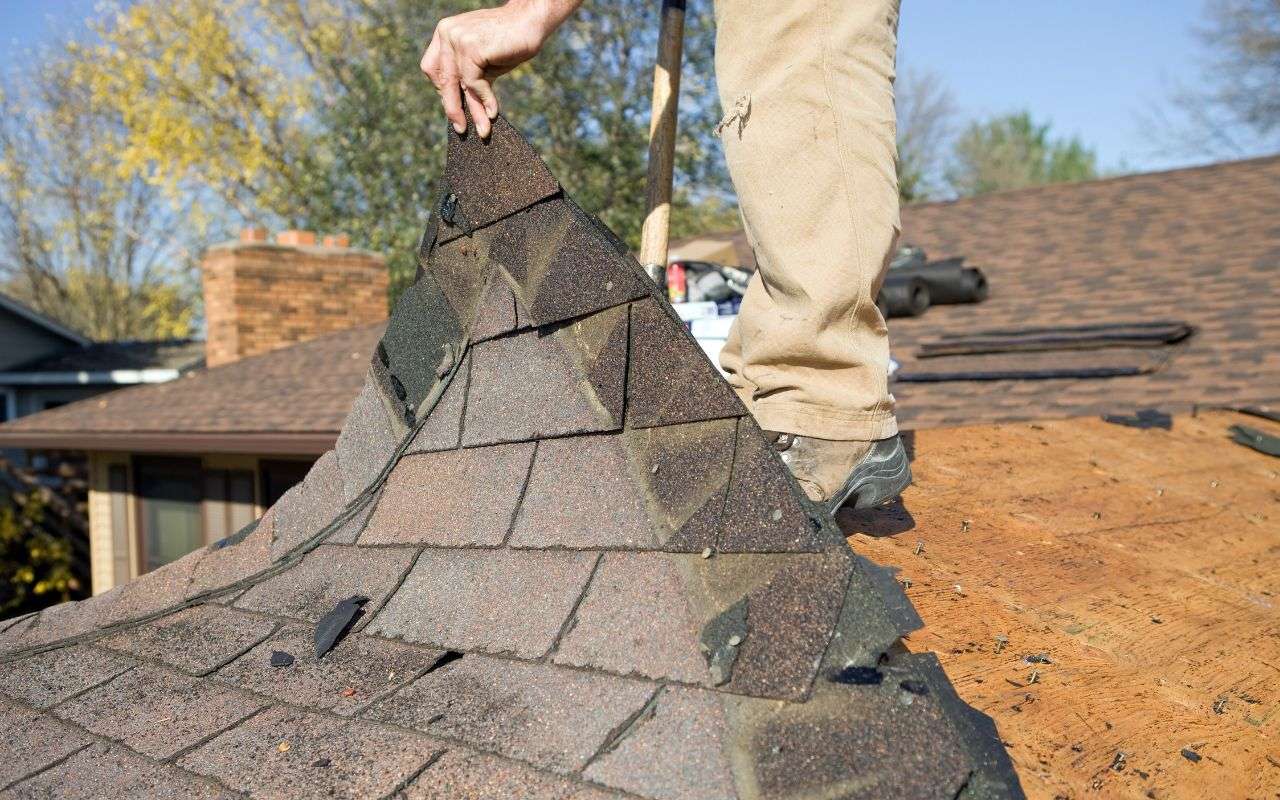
<point>113,377</point>
<point>311,443</point>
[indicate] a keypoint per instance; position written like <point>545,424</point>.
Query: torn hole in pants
<point>740,114</point>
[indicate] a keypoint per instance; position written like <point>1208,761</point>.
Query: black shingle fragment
<point>279,658</point>
<point>332,625</point>
<point>1143,419</point>
<point>857,676</point>
<point>414,344</point>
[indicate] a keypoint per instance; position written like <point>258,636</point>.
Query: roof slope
<point>1200,245</point>
<point>581,571</point>
<point>301,391</point>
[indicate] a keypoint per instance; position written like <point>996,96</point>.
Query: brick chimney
<point>261,296</point>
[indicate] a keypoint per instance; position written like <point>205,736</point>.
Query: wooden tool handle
<point>662,138</point>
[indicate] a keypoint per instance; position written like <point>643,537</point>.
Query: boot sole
<point>877,479</point>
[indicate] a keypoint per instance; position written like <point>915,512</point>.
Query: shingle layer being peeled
<point>578,572</point>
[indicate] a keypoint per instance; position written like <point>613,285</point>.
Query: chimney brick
<point>337,240</point>
<point>296,238</point>
<point>260,296</point>
<point>252,234</point>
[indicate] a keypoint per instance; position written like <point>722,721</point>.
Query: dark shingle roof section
<point>560,603</point>
<point>1199,245</point>
<point>303,389</point>
<point>177,354</point>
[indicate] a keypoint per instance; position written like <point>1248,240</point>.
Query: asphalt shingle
<point>357,671</point>
<point>111,770</point>
<point>157,712</point>
<point>48,678</point>
<point>195,640</point>
<point>551,717</point>
<point>284,753</point>
<point>495,601</point>
<point>31,741</point>
<point>325,577</point>
<point>428,497</point>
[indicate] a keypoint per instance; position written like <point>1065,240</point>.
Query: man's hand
<point>468,51</point>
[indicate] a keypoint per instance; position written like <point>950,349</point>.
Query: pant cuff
<point>825,423</point>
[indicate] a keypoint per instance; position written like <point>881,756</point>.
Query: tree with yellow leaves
<point>82,239</point>
<point>313,113</point>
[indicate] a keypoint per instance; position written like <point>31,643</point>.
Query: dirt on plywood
<point>1107,594</point>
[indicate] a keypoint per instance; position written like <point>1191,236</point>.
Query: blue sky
<point>1088,66</point>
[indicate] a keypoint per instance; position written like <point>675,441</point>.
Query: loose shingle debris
<point>332,625</point>
<point>1142,419</point>
<point>1255,439</point>
<point>1191,755</point>
<point>588,573</point>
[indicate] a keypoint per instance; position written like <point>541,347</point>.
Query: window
<point>8,405</point>
<point>169,509</point>
<point>279,477</point>
<point>228,502</point>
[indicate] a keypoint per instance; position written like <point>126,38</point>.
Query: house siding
<point>21,341</point>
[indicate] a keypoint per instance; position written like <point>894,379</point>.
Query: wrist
<point>544,16</point>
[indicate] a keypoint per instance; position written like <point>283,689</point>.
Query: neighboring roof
<point>582,571</point>
<point>17,308</point>
<point>1133,571</point>
<point>291,400</point>
<point>123,362</point>
<point>1200,245</point>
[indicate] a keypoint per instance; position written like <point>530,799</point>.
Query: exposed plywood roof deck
<point>1142,563</point>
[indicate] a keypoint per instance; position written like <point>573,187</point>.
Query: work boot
<point>852,474</point>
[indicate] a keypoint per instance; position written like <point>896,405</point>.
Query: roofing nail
<point>1034,677</point>
<point>906,583</point>
<point>919,547</point>
<point>964,526</point>
<point>1001,641</point>
<point>1220,705</point>
<point>706,552</point>
<point>1117,763</point>
<point>654,469</point>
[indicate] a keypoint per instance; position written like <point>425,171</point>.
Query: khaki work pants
<point>809,137</point>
